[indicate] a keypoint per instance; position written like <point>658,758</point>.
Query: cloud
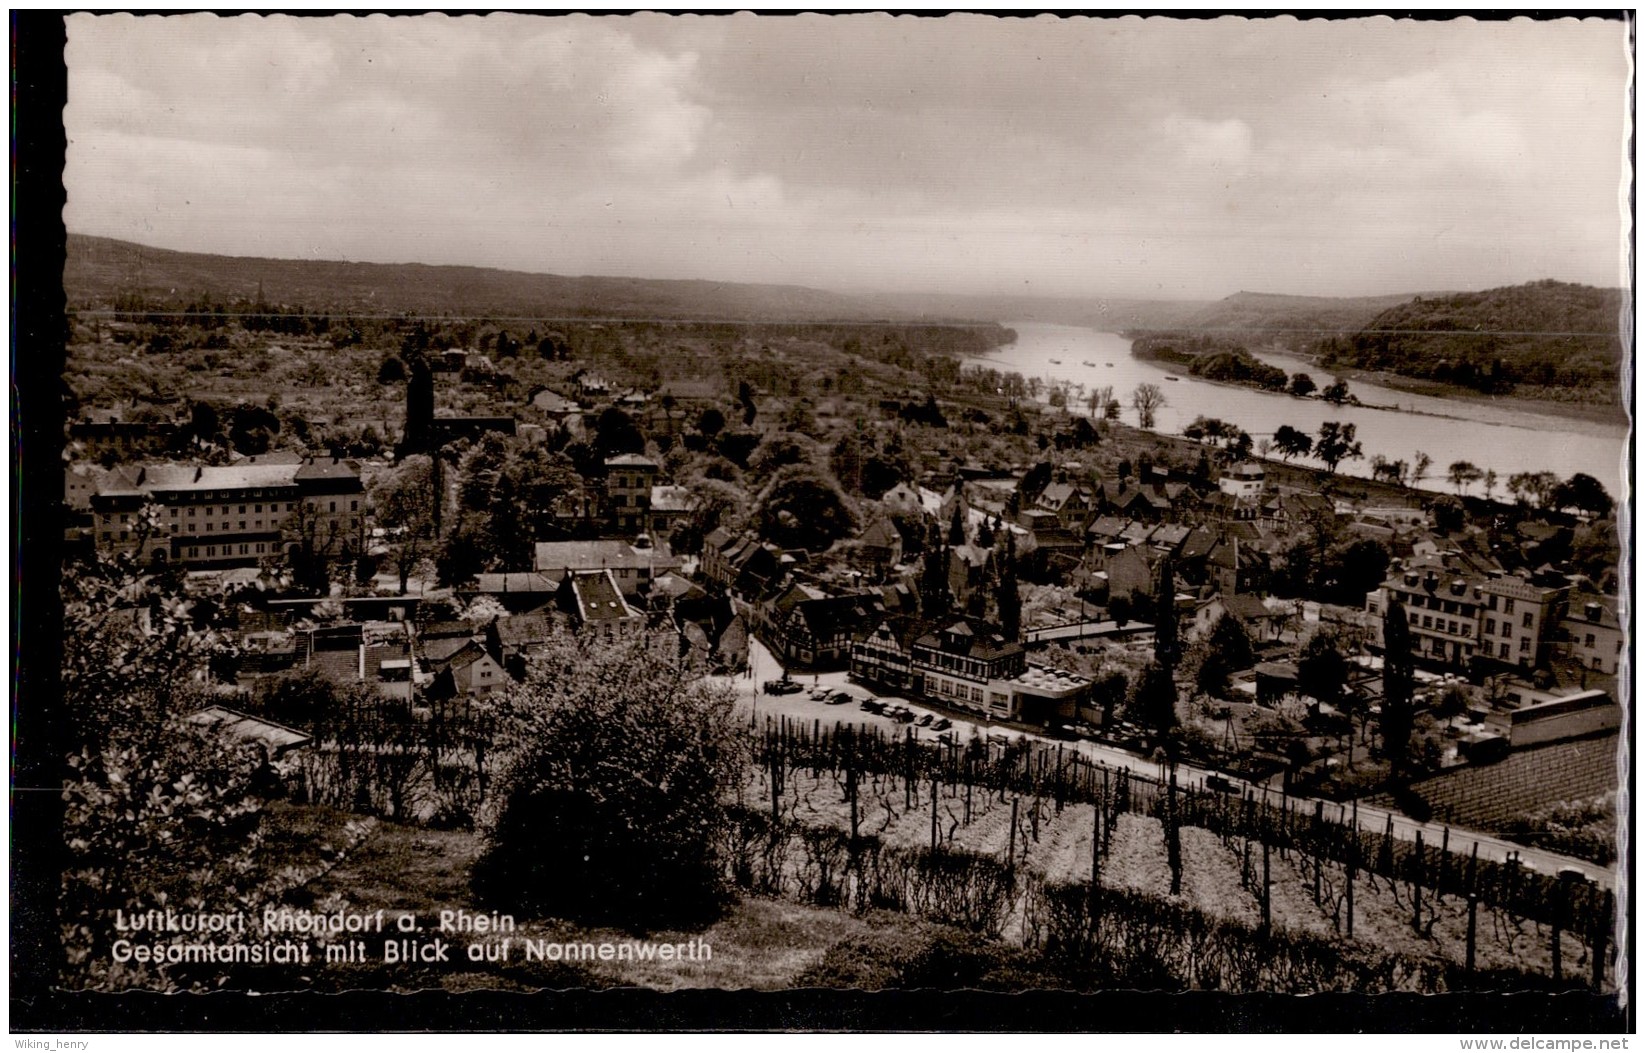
<point>965,153</point>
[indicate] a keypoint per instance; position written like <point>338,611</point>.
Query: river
<point>1505,439</point>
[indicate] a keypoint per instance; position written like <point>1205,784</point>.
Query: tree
<point>956,525</point>
<point>1225,650</point>
<point>1463,474</point>
<point>1322,671</point>
<point>711,423</point>
<point>1447,513</point>
<point>1490,480</point>
<point>392,371</point>
<point>1398,676</point>
<point>311,542</point>
<point>616,433</point>
<point>1292,443</point>
<point>1582,491</point>
<point>1336,393</point>
<point>935,597</point>
<point>1154,700</point>
<point>403,503</point>
<point>1388,471</point>
<point>1419,468</point>
<point>745,399</point>
<point>1533,488</point>
<point>1007,597</point>
<point>1336,444</point>
<point>802,509</point>
<point>1167,632</point>
<point>612,801</point>
<point>1302,385</point>
<point>157,810</point>
<point>1147,400</point>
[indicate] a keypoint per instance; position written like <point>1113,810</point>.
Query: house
<point>1261,622</point>
<point>467,671</point>
<point>514,640</point>
<point>818,632</point>
<point>344,655</point>
<point>970,567</point>
<point>1244,480</point>
<point>670,506</point>
<point>881,544</point>
<point>228,515</point>
<point>555,407</point>
<point>712,631</point>
<point>883,655</point>
<point>902,499</point>
<point>628,482</point>
<point>1590,633</point>
<point>967,663</point>
<point>1069,503</point>
<point>596,605</point>
<point>518,591</point>
<point>275,739</point>
<point>632,566</point>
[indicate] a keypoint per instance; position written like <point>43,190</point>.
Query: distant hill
<point>1295,321</point>
<point>1095,312</point>
<point>1558,339</point>
<point>99,270</point>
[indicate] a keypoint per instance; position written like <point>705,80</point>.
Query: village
<point>1001,561</point>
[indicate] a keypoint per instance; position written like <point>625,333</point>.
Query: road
<point>802,710</point>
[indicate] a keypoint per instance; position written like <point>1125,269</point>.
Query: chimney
<point>1410,577</point>
<point>198,472</point>
<point>1458,587</point>
<point>1591,611</point>
<point>1430,581</point>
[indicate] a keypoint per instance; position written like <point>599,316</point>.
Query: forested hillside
<point>1545,339</point>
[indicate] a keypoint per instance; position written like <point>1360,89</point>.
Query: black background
<point>37,437</point>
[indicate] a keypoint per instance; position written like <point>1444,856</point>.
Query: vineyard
<point>1193,888</point>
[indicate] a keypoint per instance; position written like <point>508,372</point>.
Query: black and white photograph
<point>909,510</point>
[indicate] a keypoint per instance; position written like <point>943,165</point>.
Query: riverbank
<point>1590,412</point>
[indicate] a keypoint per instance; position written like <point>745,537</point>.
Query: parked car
<point>840,698</point>
<point>1220,784</point>
<point>873,705</point>
<point>783,687</point>
<point>943,725</point>
<point>820,693</point>
<point>926,720</point>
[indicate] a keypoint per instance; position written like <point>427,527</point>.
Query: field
<point>993,839</point>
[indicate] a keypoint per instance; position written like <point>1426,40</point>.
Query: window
<point>211,550</point>
<point>1427,619</point>
<point>1589,642</point>
<point>242,509</point>
<point>191,513</point>
<point>124,518</point>
<point>1508,605</point>
<point>242,550</point>
<point>260,548</point>
<point>1490,627</point>
<point>334,506</point>
<point>257,508</point>
<point>1524,643</point>
<point>191,527</point>
<point>209,527</point>
<point>242,524</point>
<point>354,506</point>
<point>1503,651</point>
<point>1530,616</point>
<point>174,511</point>
<point>124,534</point>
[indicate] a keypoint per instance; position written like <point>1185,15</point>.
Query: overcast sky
<point>964,154</point>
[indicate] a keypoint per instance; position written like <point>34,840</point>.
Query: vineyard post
<point>908,770</point>
<point>968,779</point>
<point>1602,932</point>
<point>1353,865</point>
<point>1319,849</point>
<point>1553,936</point>
<point>1267,884</point>
<point>1011,846</point>
<point>1173,844</point>
<point>1473,907</point>
<point>1416,888</point>
<point>934,798</point>
<point>1444,866</point>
